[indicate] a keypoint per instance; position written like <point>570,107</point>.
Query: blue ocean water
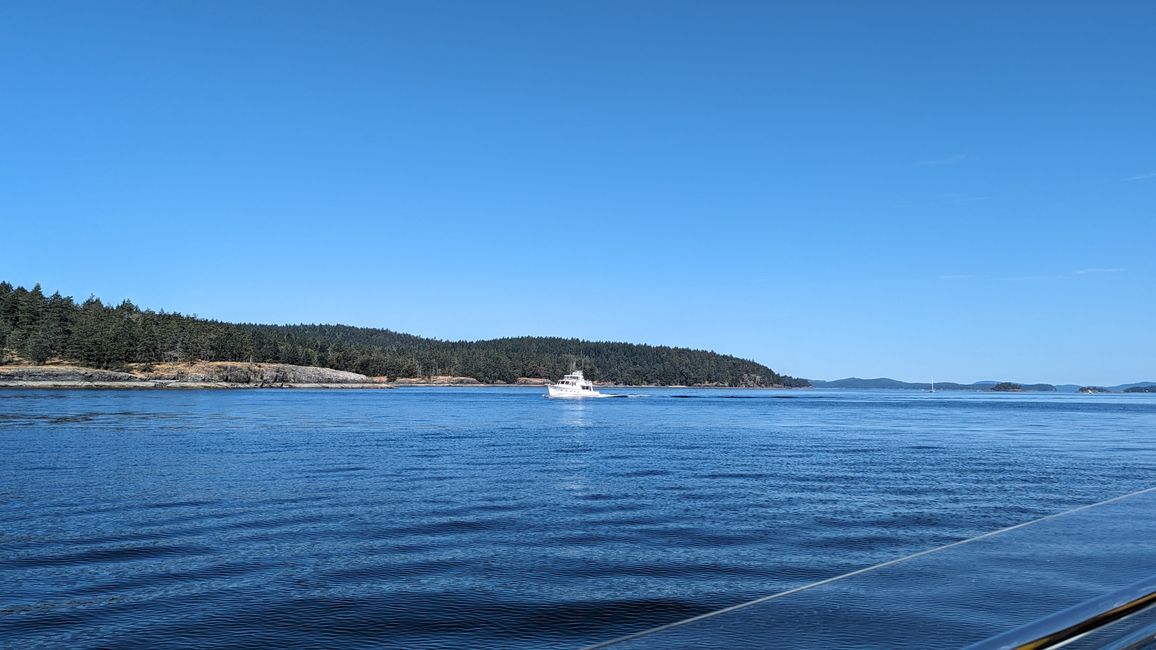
<point>491,517</point>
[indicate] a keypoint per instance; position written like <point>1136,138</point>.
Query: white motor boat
<point>573,386</point>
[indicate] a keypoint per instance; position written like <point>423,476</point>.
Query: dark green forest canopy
<point>38,328</point>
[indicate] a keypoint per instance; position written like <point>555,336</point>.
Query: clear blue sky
<point>962,190</point>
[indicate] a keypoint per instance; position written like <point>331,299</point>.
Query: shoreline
<point>232,375</point>
<point>178,385</point>
<point>222,385</point>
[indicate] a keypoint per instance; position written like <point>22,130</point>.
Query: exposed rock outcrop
<point>61,374</point>
<point>235,372</point>
<point>437,380</point>
<point>205,374</point>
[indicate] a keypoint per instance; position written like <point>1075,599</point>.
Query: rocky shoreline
<point>176,385</point>
<point>217,374</point>
<point>229,375</point>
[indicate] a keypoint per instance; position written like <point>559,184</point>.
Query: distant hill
<point>886,383</point>
<point>883,382</point>
<point>1138,387</point>
<point>1139,384</point>
<point>857,383</point>
<point>37,328</point>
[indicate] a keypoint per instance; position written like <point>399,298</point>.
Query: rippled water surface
<point>496,518</point>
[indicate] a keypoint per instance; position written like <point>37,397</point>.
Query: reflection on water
<point>574,475</point>
<point>497,518</point>
<point>574,412</point>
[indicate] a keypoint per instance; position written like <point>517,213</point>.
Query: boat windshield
<point>1021,582</point>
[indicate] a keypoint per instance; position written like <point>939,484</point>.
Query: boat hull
<point>568,392</point>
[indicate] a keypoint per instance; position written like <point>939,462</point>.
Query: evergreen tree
<point>39,328</point>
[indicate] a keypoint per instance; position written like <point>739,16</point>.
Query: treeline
<point>38,328</point>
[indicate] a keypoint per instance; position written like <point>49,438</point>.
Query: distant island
<point>38,330</point>
<point>885,383</point>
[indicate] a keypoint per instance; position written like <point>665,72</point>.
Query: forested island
<point>36,329</point>
<point>885,383</point>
